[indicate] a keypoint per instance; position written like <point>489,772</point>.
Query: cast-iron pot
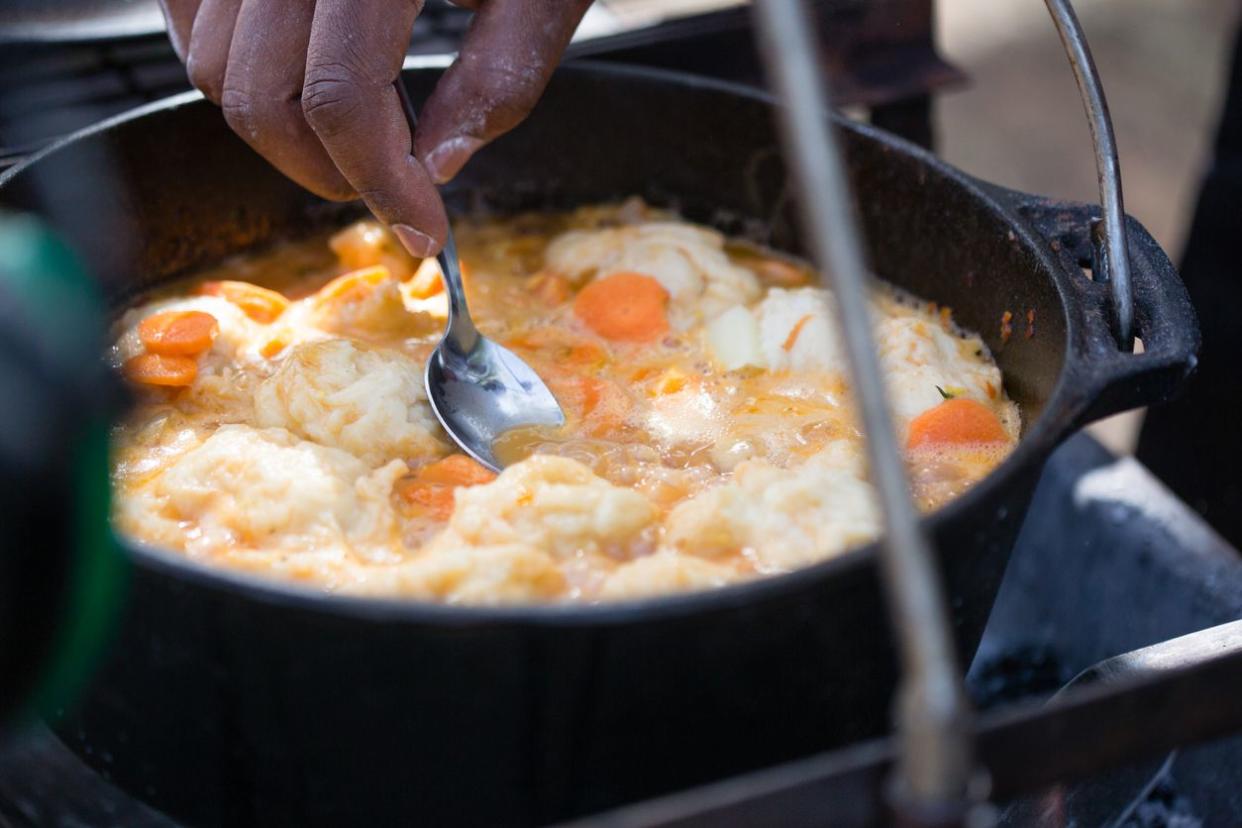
<point>228,700</point>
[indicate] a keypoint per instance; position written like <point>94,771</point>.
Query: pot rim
<point>1055,421</point>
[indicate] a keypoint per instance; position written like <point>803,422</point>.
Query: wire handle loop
<point>1112,263</point>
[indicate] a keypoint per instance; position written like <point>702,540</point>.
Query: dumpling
<point>780,519</point>
<point>917,356</point>
<point>513,573</point>
<point>245,487</point>
<point>663,573</point>
<point>370,403</point>
<point>553,504</point>
<point>511,540</point>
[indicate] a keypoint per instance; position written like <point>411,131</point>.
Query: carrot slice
<point>436,501</point>
<point>670,382</point>
<point>352,286</point>
<point>958,420</point>
<point>273,347</point>
<point>426,281</point>
<point>456,470</point>
<point>159,369</point>
<point>780,273</point>
<point>259,303</point>
<point>582,394</point>
<point>588,355</point>
<point>178,333</point>
<point>625,306</point>
<point>432,486</point>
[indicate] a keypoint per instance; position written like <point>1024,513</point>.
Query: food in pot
<point>283,429</point>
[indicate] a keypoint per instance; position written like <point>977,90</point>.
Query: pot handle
<point>1112,259</point>
<point>1134,292</point>
<point>1114,379</point>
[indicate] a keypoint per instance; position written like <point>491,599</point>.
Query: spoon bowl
<point>480,390</point>
<point>480,395</point>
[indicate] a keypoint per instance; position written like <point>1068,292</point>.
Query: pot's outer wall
<point>236,705</point>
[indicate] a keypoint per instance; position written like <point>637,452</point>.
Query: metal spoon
<point>478,390</point>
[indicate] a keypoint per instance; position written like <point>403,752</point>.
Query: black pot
<point>228,700</point>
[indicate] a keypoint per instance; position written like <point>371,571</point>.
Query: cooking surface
<point>1108,562</point>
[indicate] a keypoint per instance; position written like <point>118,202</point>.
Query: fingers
<point>262,88</point>
<point>507,57</point>
<point>178,19</point>
<point>356,51</point>
<point>210,38</point>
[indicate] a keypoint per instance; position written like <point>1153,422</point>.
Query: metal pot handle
<point>1112,260</point>
<point>1115,380</point>
<point>1134,290</point>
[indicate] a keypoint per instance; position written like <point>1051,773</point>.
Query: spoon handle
<point>460,333</point>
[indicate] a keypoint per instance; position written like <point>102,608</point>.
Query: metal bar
<point>1154,700</point>
<point>1165,696</point>
<point>933,714</point>
<point>1115,266</point>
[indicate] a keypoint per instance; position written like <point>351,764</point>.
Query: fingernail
<point>446,160</point>
<point>419,244</point>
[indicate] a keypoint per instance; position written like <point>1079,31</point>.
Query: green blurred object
<point>62,575</point>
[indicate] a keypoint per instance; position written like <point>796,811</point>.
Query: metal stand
<point>932,784</point>
<point>935,769</point>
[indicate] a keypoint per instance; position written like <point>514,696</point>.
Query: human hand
<point>309,85</point>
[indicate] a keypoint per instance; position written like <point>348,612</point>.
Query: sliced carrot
<point>159,369</point>
<point>456,470</point>
<point>780,272</point>
<point>259,303</point>
<point>431,488</point>
<point>579,394</point>
<point>352,286</point>
<point>670,382</point>
<point>958,420</point>
<point>426,281</point>
<point>436,501</point>
<point>367,243</point>
<point>587,354</point>
<point>646,372</point>
<point>553,341</point>
<point>361,244</point>
<point>178,333</point>
<point>792,339</point>
<point>273,347</point>
<point>624,306</point>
